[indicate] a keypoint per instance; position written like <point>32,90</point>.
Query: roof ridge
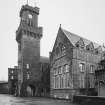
<point>71,36</point>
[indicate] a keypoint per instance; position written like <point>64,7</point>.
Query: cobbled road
<point>11,100</point>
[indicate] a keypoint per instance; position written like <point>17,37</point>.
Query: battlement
<point>29,8</point>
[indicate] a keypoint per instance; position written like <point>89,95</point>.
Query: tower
<point>28,37</point>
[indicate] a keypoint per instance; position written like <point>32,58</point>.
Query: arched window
<point>57,51</point>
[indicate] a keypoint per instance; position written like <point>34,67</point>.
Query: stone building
<point>4,87</point>
<point>12,79</point>
<point>30,63</point>
<point>73,62</point>
<point>100,77</point>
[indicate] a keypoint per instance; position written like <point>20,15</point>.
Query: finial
<point>27,2</point>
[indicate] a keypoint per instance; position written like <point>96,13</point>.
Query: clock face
<point>30,16</point>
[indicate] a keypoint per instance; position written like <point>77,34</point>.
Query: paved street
<point>10,100</point>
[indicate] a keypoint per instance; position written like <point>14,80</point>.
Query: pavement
<point>11,100</point>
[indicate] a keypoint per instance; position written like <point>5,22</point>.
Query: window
<point>92,68</point>
<point>67,80</point>
<point>67,68</point>
<point>82,67</point>
<point>28,76</point>
<point>77,45</point>
<point>60,70</point>
<point>91,81</point>
<point>30,16</point>
<point>12,71</point>
<point>12,77</point>
<point>62,81</point>
<point>63,50</point>
<point>59,81</point>
<point>53,82</point>
<point>55,71</point>
<point>27,66</point>
<point>57,51</point>
<point>82,81</point>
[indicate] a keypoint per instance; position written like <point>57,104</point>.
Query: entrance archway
<point>30,90</point>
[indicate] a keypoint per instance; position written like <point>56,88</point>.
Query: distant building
<point>4,87</point>
<point>12,79</point>
<point>73,62</point>
<point>32,67</point>
<point>100,77</point>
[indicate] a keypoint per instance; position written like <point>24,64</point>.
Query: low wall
<point>4,88</point>
<point>89,100</point>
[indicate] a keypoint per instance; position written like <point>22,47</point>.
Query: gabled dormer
<point>98,50</point>
<point>90,47</point>
<point>80,43</point>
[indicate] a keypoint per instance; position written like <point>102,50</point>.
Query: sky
<point>83,17</point>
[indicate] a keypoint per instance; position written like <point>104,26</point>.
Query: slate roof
<point>44,59</point>
<point>75,38</point>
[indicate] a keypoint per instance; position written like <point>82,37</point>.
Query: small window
<point>63,49</point>
<point>12,77</point>
<point>27,66</point>
<point>55,71</point>
<point>12,71</point>
<point>77,45</point>
<point>28,76</point>
<point>82,67</point>
<point>67,68</point>
<point>88,48</point>
<point>92,68</point>
<point>82,81</point>
<point>60,70</point>
<point>30,16</point>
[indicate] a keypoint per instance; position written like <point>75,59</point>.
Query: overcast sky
<point>83,17</point>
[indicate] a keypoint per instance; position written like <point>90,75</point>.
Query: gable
<point>61,40</point>
<point>80,43</point>
<point>73,38</point>
<point>90,46</point>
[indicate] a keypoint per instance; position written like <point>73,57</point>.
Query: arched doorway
<point>30,90</point>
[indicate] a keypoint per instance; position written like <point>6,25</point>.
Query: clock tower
<point>28,37</point>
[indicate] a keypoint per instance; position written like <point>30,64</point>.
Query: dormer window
<point>80,43</point>
<point>77,45</point>
<point>88,48</point>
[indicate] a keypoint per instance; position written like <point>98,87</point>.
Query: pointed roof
<point>75,38</point>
